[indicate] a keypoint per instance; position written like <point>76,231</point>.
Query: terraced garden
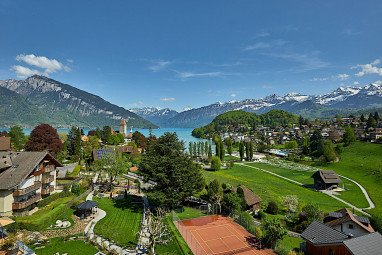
<point>122,222</point>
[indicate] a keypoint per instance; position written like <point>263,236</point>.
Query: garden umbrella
<point>88,204</point>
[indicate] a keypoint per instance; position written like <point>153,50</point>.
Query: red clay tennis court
<point>219,235</point>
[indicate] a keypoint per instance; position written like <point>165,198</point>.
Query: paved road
<point>329,193</point>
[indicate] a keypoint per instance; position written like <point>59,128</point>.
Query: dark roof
<point>22,165</point>
<point>329,176</point>
<point>98,154</point>
<point>370,244</point>
<point>319,233</point>
<point>335,214</point>
<point>250,197</point>
<point>347,215</point>
<point>5,143</point>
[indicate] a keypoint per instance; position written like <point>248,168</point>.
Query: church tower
<point>123,128</point>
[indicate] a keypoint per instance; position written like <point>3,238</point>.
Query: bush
<point>282,249</point>
<point>215,163</point>
<point>52,198</point>
<point>76,188</point>
<point>75,204</point>
<point>272,208</point>
<point>261,214</point>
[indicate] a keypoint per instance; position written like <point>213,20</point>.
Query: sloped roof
<point>370,244</point>
<point>319,233</point>
<point>122,122</point>
<point>328,176</point>
<point>126,149</point>
<point>23,165</point>
<point>347,215</point>
<point>5,143</point>
<point>250,197</point>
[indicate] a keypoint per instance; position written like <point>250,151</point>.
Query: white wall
<point>356,231</point>
<point>27,183</point>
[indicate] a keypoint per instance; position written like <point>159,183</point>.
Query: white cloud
<point>369,68</point>
<point>24,72</point>
<point>70,60</point>
<point>319,79</point>
<point>159,65</point>
<point>233,95</point>
<point>50,65</point>
<point>168,99</point>
<point>310,61</point>
<point>266,87</point>
<point>209,90</point>
<point>343,77</point>
<point>378,82</point>
<point>140,102</point>
<point>262,45</point>
<point>185,75</point>
<point>356,83</point>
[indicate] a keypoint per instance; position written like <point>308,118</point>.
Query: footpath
<point>142,242</point>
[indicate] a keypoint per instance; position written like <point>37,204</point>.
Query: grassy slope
<point>69,247</point>
<point>177,245</point>
<point>48,215</point>
<point>269,187</point>
<point>122,221</point>
<point>358,161</point>
<point>353,195</point>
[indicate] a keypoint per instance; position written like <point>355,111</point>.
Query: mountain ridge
<point>63,105</point>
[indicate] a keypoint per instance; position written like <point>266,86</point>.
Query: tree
<point>190,148</point>
<point>18,138</point>
<point>215,163</point>
<point>177,177</point>
<point>251,150</point>
<point>215,192</point>
<point>206,148</point>
<point>312,212</point>
<point>349,136</point>
<point>44,137</point>
<point>222,152</point>
<point>376,116</point>
<point>89,146</point>
<point>209,152</point>
<point>275,230</point>
<point>217,146</point>
<point>229,145</point>
<point>241,150</point>
<point>272,208</point>
<point>194,149</point>
<point>291,203</point>
<point>105,134</point>
<point>317,142</point>
<point>63,136</point>
<point>328,151</point>
<point>362,118</point>
<point>74,141</point>
<point>139,139</point>
<point>371,122</point>
<point>159,232</point>
<point>98,133</point>
<point>291,145</point>
<point>232,201</point>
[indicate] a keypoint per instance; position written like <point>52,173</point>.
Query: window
<point>351,226</point>
<point>331,252</point>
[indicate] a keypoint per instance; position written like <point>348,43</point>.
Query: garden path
<point>371,204</point>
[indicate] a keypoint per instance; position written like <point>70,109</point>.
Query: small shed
<point>326,179</point>
<point>251,199</point>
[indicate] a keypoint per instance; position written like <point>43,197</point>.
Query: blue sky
<point>193,53</point>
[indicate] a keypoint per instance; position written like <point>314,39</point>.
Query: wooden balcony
<point>47,169</point>
<point>21,192</point>
<point>24,204</point>
<point>47,191</point>
<point>47,180</point>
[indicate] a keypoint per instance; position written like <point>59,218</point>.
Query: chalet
<point>326,179</point>
<point>25,177</point>
<point>323,240</point>
<point>345,221</point>
<point>5,143</point>
<point>251,199</point>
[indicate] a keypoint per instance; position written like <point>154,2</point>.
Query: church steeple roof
<point>123,122</point>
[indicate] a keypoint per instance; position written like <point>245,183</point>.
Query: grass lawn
<point>122,221</point>
<point>185,213</point>
<point>69,247</point>
<point>64,181</point>
<point>270,187</point>
<point>47,215</point>
<point>353,194</point>
<point>176,246</point>
<point>359,161</point>
<point>292,242</point>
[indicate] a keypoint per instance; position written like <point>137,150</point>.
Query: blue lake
<point>183,133</point>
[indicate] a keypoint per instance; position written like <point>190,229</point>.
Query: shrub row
<point>53,197</point>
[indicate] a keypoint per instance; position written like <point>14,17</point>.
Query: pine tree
<point>217,145</point>
<point>206,148</point>
<point>209,152</point>
<point>247,150</point>
<point>202,148</point>
<point>229,145</point>
<point>362,118</point>
<point>376,116</point>
<point>194,150</point>
<point>190,148</point>
<point>251,150</point>
<point>241,150</point>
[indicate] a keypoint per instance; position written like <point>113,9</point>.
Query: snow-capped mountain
<point>156,115</point>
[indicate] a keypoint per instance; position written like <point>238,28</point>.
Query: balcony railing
<point>47,169</point>
<point>26,203</point>
<point>21,192</point>
<point>47,190</point>
<point>47,180</point>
